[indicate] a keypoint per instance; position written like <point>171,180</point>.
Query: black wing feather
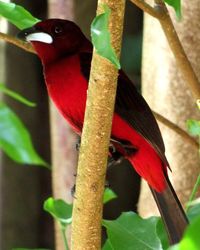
<point>132,107</point>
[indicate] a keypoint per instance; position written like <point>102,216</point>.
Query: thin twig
<point>194,192</point>
<point>17,42</point>
<point>146,8</point>
<point>160,12</point>
<point>177,49</point>
<point>177,129</point>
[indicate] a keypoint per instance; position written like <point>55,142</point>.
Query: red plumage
<point>68,89</point>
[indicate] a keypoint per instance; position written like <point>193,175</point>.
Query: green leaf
<point>15,139</point>
<point>16,96</point>
<point>107,245</point>
<point>60,210</point>
<point>130,231</point>
<point>176,4</point>
<point>193,212</point>
<point>193,127</point>
<point>108,195</point>
<point>162,234</point>
<point>191,239</point>
<point>101,37</point>
<point>17,15</point>
<point>194,202</point>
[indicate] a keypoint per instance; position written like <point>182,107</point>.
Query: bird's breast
<point>67,88</point>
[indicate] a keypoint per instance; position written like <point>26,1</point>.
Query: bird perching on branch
<point>66,58</point>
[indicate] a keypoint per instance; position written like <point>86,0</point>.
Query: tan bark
<point>87,213</point>
<point>168,93</point>
<point>63,139</point>
<point>15,41</point>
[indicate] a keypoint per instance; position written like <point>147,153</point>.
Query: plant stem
<point>194,191</point>
<point>64,238</point>
<point>17,42</point>
<point>176,129</point>
<point>146,8</point>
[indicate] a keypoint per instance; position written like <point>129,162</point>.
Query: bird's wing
<point>132,107</point>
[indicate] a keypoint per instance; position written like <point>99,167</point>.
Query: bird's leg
<point>114,154</point>
<point>117,151</point>
<point>73,189</point>
<point>77,147</point>
<point>114,157</point>
<point>78,144</point>
<point>121,148</point>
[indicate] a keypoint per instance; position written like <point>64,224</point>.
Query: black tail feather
<point>171,212</point>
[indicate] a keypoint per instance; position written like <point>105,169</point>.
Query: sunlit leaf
<point>108,195</point>
<point>176,4</point>
<point>193,127</point>
<point>130,231</point>
<point>60,210</point>
<point>107,245</point>
<point>101,37</point>
<point>198,103</point>
<point>17,15</point>
<point>15,139</point>
<point>194,202</point>
<point>191,239</point>
<point>174,247</point>
<point>16,96</point>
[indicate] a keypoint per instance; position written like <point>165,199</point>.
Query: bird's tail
<point>171,211</point>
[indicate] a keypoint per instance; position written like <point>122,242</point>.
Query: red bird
<point>66,57</point>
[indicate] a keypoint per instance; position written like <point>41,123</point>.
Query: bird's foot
<point>73,191</point>
<point>121,148</point>
<point>78,144</point>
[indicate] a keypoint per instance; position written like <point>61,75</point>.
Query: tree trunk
<point>63,139</point>
<point>167,93</point>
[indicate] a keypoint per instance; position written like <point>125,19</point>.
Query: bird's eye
<point>58,29</point>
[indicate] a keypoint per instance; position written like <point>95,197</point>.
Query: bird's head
<point>54,39</point>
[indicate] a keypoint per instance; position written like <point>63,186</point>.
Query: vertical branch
<point>177,49</point>
<point>63,139</point>
<point>160,12</point>
<point>87,213</point>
